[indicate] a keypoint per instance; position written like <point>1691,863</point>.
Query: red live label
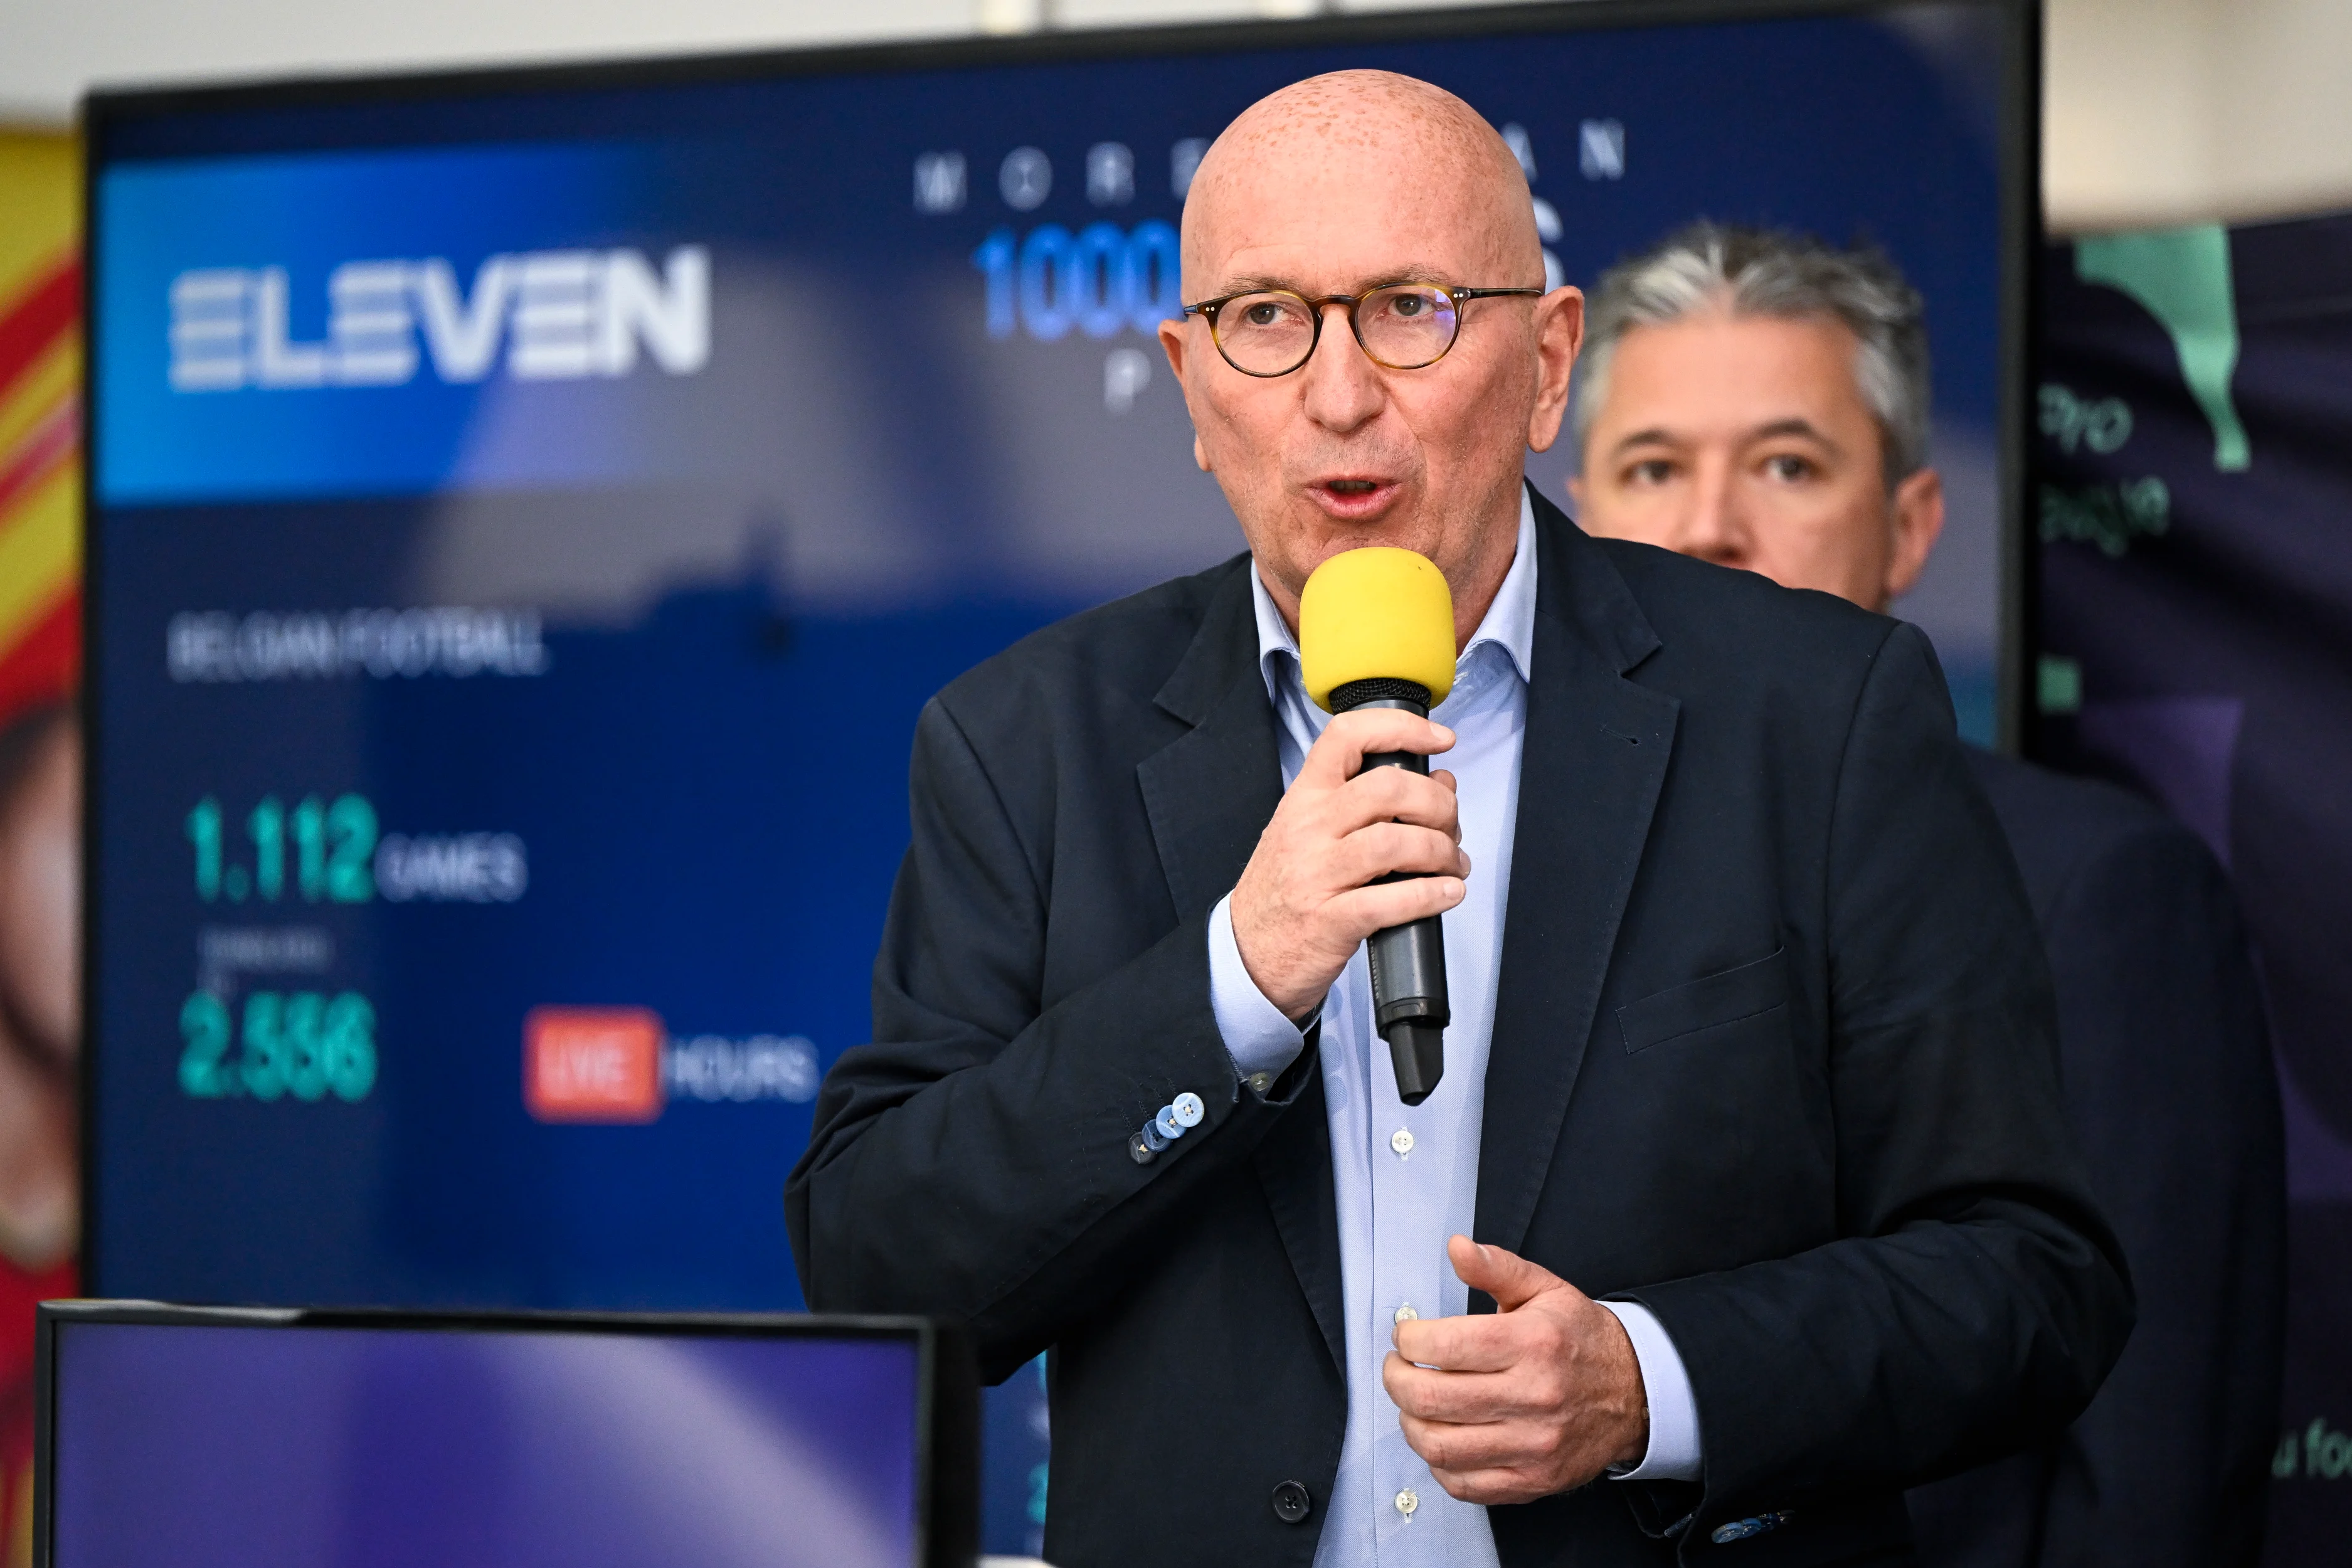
<point>592,1064</point>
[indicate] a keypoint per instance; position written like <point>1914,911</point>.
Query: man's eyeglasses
<point>1403,326</point>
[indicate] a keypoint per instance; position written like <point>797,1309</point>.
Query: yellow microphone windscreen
<point>1377,613</point>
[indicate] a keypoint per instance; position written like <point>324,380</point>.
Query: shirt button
<point>1402,1141</point>
<point>1406,1502</point>
<point>1290,1502</point>
<point>1405,1314</point>
<point>1261,1081</point>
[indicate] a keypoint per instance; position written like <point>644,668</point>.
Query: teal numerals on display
<point>204,1025</point>
<point>310,846</point>
<point>351,849</point>
<point>266,829</point>
<point>302,1044</point>
<point>333,851</point>
<point>205,833</point>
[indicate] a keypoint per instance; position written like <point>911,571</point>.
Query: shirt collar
<point>1509,624</point>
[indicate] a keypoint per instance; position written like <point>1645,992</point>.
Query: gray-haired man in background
<point>1761,401</point>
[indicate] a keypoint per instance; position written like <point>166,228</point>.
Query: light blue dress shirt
<point>1406,1178</point>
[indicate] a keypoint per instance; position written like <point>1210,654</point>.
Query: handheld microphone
<point>1376,630</point>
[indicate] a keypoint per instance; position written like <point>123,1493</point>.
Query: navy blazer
<point>2165,1060</point>
<point>1771,1054</point>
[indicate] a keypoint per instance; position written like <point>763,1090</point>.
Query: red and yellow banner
<point>40,418</point>
<point>41,651</point>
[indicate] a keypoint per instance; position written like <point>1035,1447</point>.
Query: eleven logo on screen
<point>620,1065</point>
<point>548,315</point>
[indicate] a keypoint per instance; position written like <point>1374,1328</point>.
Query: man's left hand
<point>1541,1396</point>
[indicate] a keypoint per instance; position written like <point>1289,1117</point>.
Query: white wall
<point>51,50</point>
<point>2158,111</point>
<point>2190,110</point>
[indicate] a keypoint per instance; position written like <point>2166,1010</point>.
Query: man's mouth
<point>1354,498</point>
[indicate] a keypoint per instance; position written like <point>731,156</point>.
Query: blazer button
<point>1290,1502</point>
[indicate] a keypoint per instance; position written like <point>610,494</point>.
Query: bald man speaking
<point>1745,1200</point>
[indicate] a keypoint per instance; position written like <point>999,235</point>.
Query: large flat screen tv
<point>527,511</point>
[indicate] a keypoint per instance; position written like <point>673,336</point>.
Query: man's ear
<point>1173,345</point>
<point>1917,516</point>
<point>1559,334</point>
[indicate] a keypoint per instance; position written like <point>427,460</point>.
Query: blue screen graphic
<point>527,523</point>
<point>289,1447</point>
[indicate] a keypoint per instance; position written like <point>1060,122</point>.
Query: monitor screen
<point>528,513</point>
<point>212,1446</point>
<point>528,510</point>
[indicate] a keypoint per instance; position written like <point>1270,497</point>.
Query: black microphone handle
<point>1410,1005</point>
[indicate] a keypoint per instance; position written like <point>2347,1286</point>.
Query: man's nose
<point>1343,385</point>
<point>1715,527</point>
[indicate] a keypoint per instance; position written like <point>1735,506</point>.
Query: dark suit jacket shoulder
<point>1743,1069</point>
<point>2069,832</point>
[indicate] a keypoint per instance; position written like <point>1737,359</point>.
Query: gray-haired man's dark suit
<point>2168,1082</point>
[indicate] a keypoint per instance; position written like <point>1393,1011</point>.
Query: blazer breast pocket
<point>1713,1002</point>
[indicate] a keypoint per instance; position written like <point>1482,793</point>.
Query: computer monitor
<point>247,1438</point>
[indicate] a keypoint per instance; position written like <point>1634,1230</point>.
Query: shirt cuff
<point>1673,1452</point>
<point>1261,1041</point>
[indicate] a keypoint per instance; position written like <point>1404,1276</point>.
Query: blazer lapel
<point>1592,764</point>
<point>1209,795</point>
<point>1210,792</point>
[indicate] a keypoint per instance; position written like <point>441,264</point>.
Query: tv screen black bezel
<point>2019,23</point>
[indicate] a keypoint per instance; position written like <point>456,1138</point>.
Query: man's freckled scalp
<point>1333,121</point>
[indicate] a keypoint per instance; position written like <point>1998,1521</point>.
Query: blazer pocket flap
<point>1724,998</point>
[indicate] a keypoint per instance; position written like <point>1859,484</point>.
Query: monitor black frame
<point>2019,156</point>
<point>947,1386</point>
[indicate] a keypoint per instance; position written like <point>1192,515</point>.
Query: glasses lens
<point>1408,326</point>
<point>1266,334</point>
